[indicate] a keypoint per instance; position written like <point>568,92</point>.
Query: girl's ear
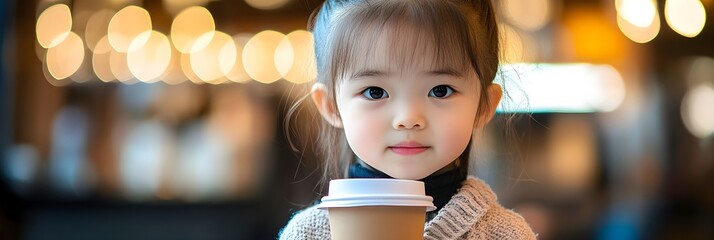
<point>325,105</point>
<point>494,93</point>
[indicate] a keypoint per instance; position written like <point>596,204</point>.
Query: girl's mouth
<point>408,148</point>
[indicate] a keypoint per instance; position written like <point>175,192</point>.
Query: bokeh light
<point>120,68</point>
<point>303,68</point>
<point>173,74</point>
<point>84,72</point>
<point>64,59</point>
<point>528,15</point>
<point>51,79</point>
<point>284,56</point>
<point>686,17</point>
<point>259,56</point>
<point>188,70</point>
<point>97,26</point>
<point>126,25</point>
<point>53,25</point>
<point>101,60</point>
<point>639,34</point>
<point>266,4</point>
<point>638,19</point>
<point>639,13</point>
<point>237,73</point>
<point>147,61</point>
<point>211,63</point>
<point>697,112</point>
<point>189,25</point>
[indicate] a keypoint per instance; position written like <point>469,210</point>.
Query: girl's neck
<point>451,166</point>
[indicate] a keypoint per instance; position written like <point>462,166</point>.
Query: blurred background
<point>164,119</point>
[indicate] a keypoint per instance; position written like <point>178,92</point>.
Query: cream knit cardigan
<point>472,213</point>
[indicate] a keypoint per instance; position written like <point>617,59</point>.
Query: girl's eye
<point>441,91</point>
<point>374,93</point>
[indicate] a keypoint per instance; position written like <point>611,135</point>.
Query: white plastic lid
<point>357,192</point>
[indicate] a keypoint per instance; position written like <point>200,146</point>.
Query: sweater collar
<point>461,213</point>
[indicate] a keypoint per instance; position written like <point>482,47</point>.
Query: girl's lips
<point>408,148</point>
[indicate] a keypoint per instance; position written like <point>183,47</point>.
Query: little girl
<point>402,86</point>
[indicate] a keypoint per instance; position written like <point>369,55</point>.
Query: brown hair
<point>460,31</point>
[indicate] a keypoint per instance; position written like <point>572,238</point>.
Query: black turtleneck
<point>439,186</point>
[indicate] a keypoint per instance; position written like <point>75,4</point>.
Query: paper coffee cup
<point>376,208</point>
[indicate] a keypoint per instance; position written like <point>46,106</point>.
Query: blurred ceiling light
<point>237,73</point>
<point>147,61</point>
<point>101,60</point>
<point>304,68</point>
<point>697,112</point>
<point>173,74</point>
<point>259,56</point>
<point>579,88</point>
<point>50,79</point>
<point>639,34</point>
<point>188,70</point>
<point>119,67</point>
<point>189,25</point>
<point>686,17</point>
<point>530,15</point>
<point>64,59</point>
<point>97,27</point>
<point>53,25</point>
<point>211,63</point>
<point>266,4</point>
<point>126,25</point>
<point>639,13</point>
<point>174,7</point>
<point>84,73</point>
<point>284,56</point>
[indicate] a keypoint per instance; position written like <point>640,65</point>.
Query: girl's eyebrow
<point>445,71</point>
<point>365,73</point>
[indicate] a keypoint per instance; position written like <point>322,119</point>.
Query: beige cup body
<point>377,222</point>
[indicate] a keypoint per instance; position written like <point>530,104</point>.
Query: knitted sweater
<point>472,213</point>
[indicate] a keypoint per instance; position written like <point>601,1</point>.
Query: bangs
<point>408,33</point>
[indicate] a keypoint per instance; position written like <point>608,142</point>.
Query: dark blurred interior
<point>88,153</point>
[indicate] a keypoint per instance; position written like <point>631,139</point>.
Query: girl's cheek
<point>458,127</point>
<point>364,137</point>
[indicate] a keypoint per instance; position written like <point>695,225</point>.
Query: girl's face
<point>407,117</point>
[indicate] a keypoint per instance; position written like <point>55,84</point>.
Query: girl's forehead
<point>404,45</point>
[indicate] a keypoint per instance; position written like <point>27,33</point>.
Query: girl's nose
<point>409,119</point>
